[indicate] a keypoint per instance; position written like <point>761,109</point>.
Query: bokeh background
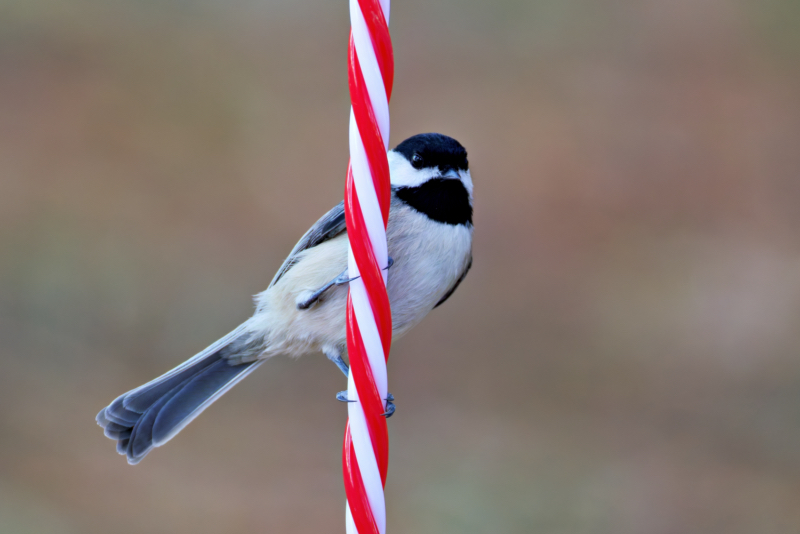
<point>623,357</point>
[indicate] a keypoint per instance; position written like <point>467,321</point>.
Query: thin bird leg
<point>336,357</point>
<point>314,297</point>
<point>338,281</point>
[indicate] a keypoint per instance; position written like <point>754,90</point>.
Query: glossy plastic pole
<point>365,453</point>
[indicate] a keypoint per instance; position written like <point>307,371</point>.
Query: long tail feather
<point>154,413</point>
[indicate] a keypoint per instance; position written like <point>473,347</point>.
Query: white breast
<point>429,257</point>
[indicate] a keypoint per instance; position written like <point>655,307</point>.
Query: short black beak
<point>450,172</point>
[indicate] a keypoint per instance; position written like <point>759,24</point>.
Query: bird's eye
<point>416,161</point>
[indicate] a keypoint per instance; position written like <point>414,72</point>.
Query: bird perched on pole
<point>429,236</point>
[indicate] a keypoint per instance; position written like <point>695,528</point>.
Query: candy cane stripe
<point>372,402</point>
<point>365,451</point>
<point>374,144</point>
<point>358,504</point>
<point>370,67</point>
<point>378,28</point>
<point>379,300</point>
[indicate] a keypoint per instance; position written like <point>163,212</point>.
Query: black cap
<point>434,150</point>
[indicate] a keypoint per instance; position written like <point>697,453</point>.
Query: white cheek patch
<point>403,174</point>
<point>466,179</point>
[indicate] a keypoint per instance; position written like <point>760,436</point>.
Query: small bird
<point>429,237</point>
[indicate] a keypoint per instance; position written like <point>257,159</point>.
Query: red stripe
<point>367,264</point>
<point>370,133</point>
<point>354,489</point>
<point>381,40</point>
<point>368,394</point>
<point>368,267</point>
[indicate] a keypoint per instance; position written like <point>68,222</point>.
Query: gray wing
<point>458,282</point>
<point>329,226</point>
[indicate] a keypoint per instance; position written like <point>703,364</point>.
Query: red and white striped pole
<point>365,454</point>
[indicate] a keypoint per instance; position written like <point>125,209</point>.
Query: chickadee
<point>303,310</point>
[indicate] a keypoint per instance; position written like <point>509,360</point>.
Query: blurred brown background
<point>622,359</point>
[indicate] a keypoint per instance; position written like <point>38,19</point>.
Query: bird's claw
<point>342,397</point>
<point>390,407</point>
<point>309,298</point>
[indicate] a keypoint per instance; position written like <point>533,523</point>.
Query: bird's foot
<point>309,298</point>
<point>342,397</point>
<point>390,407</point>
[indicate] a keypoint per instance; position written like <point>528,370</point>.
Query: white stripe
<point>367,463</point>
<point>369,330</point>
<point>350,525</point>
<point>358,426</point>
<point>385,5</point>
<point>369,333</point>
<point>370,70</point>
<point>370,209</point>
<point>367,197</point>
